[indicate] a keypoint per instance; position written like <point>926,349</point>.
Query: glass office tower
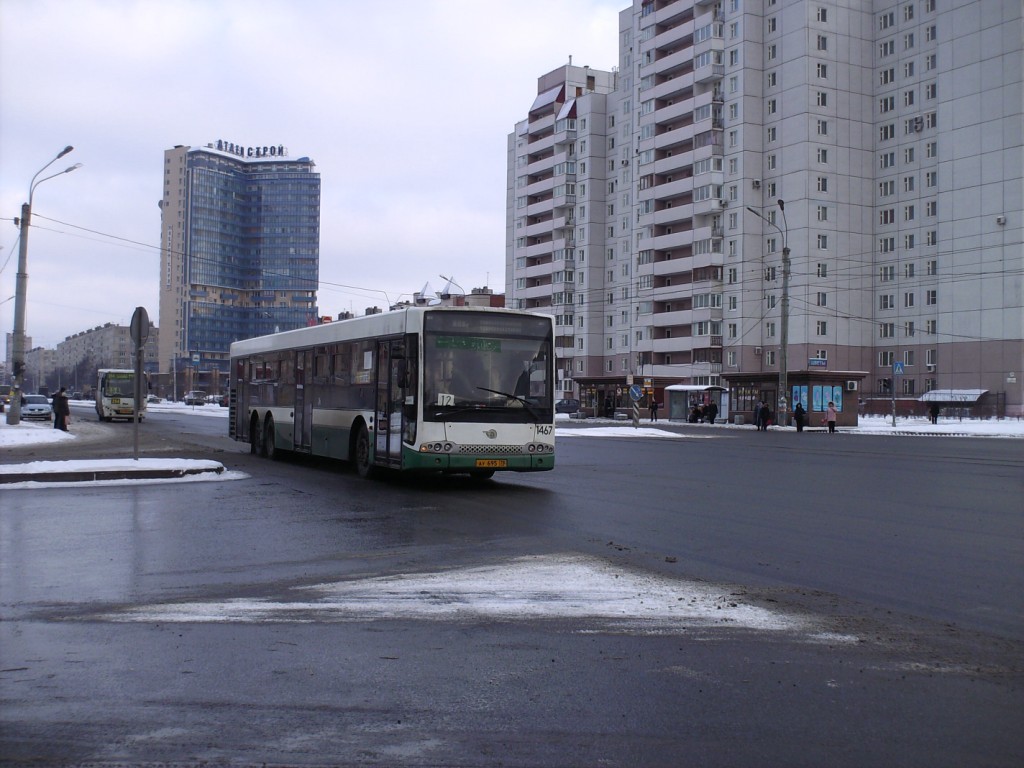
<point>240,254</point>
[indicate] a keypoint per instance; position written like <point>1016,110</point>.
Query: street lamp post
<point>21,288</point>
<point>784,347</point>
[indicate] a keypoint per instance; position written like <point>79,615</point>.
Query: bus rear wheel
<point>254,436</point>
<point>269,449</point>
<point>362,452</point>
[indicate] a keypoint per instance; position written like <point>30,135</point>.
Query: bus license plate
<point>492,463</point>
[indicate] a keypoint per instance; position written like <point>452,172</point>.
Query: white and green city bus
<point>442,389</point>
<point>115,394</point>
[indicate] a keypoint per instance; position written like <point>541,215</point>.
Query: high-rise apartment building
<point>891,131</point>
<point>240,253</point>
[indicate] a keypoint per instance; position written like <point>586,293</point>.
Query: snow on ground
<point>594,593</point>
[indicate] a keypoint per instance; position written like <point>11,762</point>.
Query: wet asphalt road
<point>898,560</point>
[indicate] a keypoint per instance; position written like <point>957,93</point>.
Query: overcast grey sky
<point>404,106</point>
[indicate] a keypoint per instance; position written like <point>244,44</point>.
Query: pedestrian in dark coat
<point>61,410</point>
<point>798,416</point>
<point>766,416</point>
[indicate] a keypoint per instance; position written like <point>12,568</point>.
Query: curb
<point>87,475</point>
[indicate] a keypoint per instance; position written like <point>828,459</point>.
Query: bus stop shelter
<point>680,398</point>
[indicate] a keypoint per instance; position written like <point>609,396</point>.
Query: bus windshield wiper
<point>510,396</point>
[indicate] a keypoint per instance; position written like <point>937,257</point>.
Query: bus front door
<point>390,398</point>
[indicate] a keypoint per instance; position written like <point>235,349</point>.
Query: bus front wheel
<point>362,452</point>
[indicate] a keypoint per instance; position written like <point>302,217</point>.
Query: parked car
<point>567,406</point>
<point>36,407</point>
<point>152,399</point>
<point>195,397</point>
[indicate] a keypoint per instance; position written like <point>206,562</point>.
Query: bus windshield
<point>482,368</point>
<point>118,384</point>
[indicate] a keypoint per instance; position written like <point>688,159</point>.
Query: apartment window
<point>908,328</point>
<point>929,6</point>
<point>730,357</point>
<point>731,275</point>
<point>734,30</point>
<point>822,43</point>
<point>822,213</point>
<point>821,328</point>
<point>908,155</point>
<point>771,134</point>
<point>733,138</point>
<point>886,358</point>
<point>769,329</point>
<point>908,183</point>
<point>932,268</point>
<point>822,269</point>
<point>771,106</point>
<point>931,208</point>
<point>734,111</point>
<point>887,76</point>
<point>908,269</point>
<point>931,61</point>
<point>886,104</point>
<point>909,386</point>
<point>821,14</point>
<point>931,120</point>
<point>733,303</point>
<point>886,244</point>
<point>823,184</point>
<point>734,57</point>
<point>931,326</point>
<point>887,188</point>
<point>908,12</point>
<point>931,91</point>
<point>822,71</point>
<point>769,274</point>
<point>887,48</point>
<point>822,299</point>
<point>931,297</point>
<point>908,213</point>
<point>823,127</point>
<point>887,273</point>
<point>887,20</point>
<point>908,242</point>
<point>769,357</point>
<point>908,41</point>
<point>886,301</point>
<point>931,149</point>
<point>908,299</point>
<point>887,216</point>
<point>771,191</point>
<point>772,52</point>
<point>822,156</point>
<point>770,245</point>
<point>771,162</point>
<point>908,69</point>
<point>732,247</point>
<point>772,80</point>
<point>908,98</point>
<point>822,242</point>
<point>771,24</point>
<point>929,357</point>
<point>886,330</point>
<point>887,160</point>
<point>734,84</point>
